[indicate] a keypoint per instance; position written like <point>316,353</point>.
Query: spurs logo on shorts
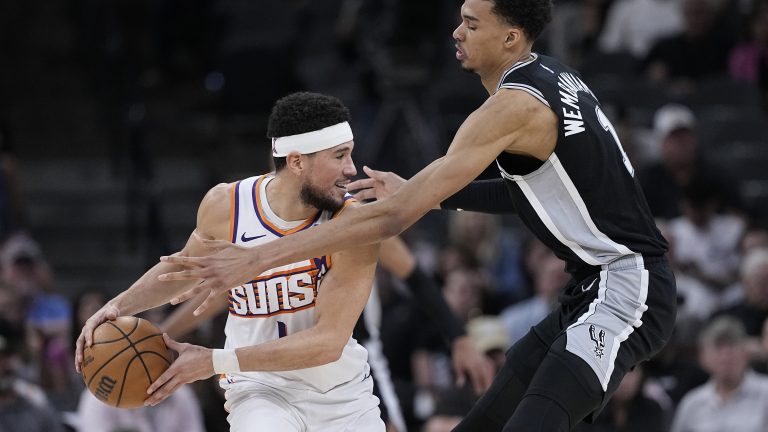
<point>599,339</point>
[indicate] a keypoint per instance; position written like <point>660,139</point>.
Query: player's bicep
<point>484,135</point>
<point>345,289</point>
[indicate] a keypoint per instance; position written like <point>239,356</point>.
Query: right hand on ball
<point>107,312</point>
<point>378,186</point>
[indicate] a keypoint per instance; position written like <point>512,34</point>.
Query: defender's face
<point>329,173</point>
<point>480,37</point>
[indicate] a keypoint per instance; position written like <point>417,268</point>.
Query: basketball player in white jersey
<point>289,362</point>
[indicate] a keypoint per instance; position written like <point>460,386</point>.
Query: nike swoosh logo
<point>589,287</point>
<point>244,239</point>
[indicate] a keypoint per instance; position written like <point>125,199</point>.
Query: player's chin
<point>466,67</point>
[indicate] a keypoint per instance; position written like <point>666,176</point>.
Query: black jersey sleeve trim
<point>486,196</point>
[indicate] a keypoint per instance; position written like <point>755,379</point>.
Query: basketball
<point>127,355</point>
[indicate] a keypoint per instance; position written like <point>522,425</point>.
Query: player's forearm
<point>148,292</point>
<point>308,348</point>
<point>357,226</point>
<point>182,321</point>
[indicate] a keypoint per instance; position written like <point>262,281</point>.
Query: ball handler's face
<point>480,37</point>
<point>328,173</point>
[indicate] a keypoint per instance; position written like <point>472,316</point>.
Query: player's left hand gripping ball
<point>193,364</point>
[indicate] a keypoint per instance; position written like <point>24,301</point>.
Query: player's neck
<point>282,195</point>
<point>491,78</point>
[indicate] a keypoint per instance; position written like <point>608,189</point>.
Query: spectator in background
<point>489,336</point>
<point>24,267</point>
<point>549,277</point>
<point>633,26</point>
<point>752,311</point>
<point>663,181</point>
<point>23,406</point>
<point>755,237</point>
<point>707,243</point>
<point>748,61</point>
<point>697,301</point>
<point>462,291</point>
<point>699,51</point>
<point>735,399</point>
<point>484,237</point>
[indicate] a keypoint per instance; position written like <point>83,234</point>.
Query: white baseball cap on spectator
<point>672,117</point>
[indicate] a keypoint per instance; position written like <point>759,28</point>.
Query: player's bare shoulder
<point>214,211</point>
<point>533,124</point>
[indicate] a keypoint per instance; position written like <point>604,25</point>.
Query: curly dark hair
<point>530,15</point>
<point>304,112</point>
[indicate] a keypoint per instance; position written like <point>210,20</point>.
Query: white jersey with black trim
<point>280,301</point>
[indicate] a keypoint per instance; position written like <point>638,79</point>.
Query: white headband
<point>311,142</point>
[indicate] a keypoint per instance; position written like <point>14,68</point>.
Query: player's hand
<point>227,265</point>
<point>467,361</point>
<point>107,312</point>
<point>379,185</point>
<point>194,363</point>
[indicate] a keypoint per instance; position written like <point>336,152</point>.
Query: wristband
<point>225,361</point>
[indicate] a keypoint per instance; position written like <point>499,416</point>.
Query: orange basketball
<point>127,355</point>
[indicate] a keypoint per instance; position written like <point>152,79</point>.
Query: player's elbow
<point>331,351</point>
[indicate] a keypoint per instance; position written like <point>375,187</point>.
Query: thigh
<point>564,389</point>
<point>350,407</point>
<point>261,410</point>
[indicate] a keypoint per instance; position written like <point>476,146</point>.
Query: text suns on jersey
<point>280,292</point>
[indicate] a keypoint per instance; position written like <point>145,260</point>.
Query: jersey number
<point>282,329</point>
<point>606,124</point>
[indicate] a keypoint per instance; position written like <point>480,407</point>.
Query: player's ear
<point>513,36</point>
<point>294,162</point>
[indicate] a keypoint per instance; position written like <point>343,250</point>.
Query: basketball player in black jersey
<point>563,171</point>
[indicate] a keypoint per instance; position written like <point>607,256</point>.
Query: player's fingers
<point>361,184</point>
<point>372,173</point>
<point>163,392</point>
<point>87,333</point>
<point>211,243</point>
<point>172,344</point>
<point>79,353</point>
<point>365,194</point>
<point>181,275</point>
<point>164,378</point>
<point>192,292</point>
<point>182,261</point>
<point>205,304</point>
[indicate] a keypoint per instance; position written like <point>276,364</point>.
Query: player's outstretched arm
<point>495,127</point>
<point>485,196</point>
<point>147,292</point>
<point>345,290</point>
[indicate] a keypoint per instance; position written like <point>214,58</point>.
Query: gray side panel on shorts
<point>618,309</point>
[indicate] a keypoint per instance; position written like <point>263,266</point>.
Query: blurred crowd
<point>684,81</point>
